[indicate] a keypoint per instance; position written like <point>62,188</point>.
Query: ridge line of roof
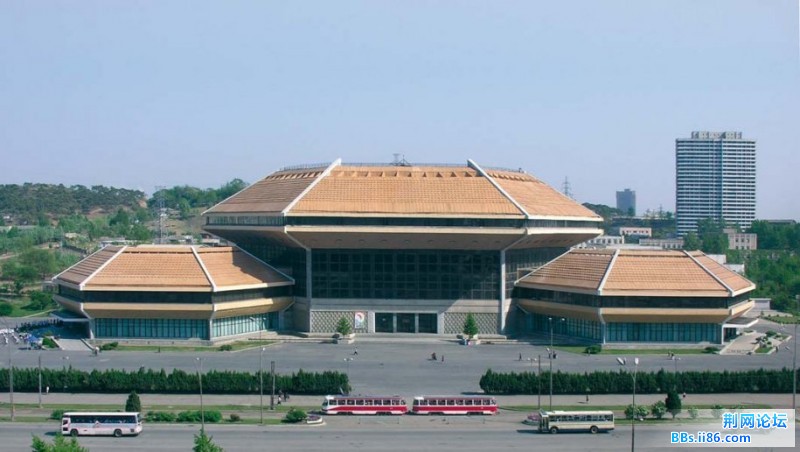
<point>104,265</point>
<point>310,186</point>
<point>264,263</point>
<point>710,273</point>
<point>205,270</point>
<point>608,272</point>
<point>474,165</point>
<point>542,266</point>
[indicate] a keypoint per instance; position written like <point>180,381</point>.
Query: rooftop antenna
<point>162,212</point>
<point>566,188</point>
<point>400,160</point>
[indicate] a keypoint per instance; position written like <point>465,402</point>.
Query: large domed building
<point>402,248</point>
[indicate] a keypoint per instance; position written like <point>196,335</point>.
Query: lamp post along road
<point>261,384</point>
<point>551,353</point>
<point>538,380</point>
<point>200,380</point>
<point>272,396</point>
<point>10,377</point>
<point>40,378</point>
<point>624,362</point>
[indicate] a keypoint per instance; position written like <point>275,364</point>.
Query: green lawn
<point>580,349</point>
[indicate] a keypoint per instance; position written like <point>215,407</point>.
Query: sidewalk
<point>773,400</point>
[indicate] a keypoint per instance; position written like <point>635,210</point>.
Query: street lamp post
<point>550,353</point>
<point>10,376</point>
<point>272,396</point>
<point>261,384</point>
<point>200,381</point>
<point>347,370</point>
<point>40,378</point>
<point>623,362</point>
<point>675,359</point>
<point>794,359</point>
<point>538,380</point>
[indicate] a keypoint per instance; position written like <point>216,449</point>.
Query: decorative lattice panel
<point>325,321</point>
<point>454,322</point>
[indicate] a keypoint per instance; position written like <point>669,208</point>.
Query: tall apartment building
<point>626,202</point>
<point>715,178</point>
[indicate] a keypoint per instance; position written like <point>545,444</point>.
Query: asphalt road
<point>403,368</point>
<point>361,434</point>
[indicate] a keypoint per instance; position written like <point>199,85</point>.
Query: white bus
<point>575,421</point>
<point>101,423</point>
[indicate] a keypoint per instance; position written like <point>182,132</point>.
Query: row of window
<point>231,326</point>
<point>152,328</point>
<point>405,274</point>
<point>663,332</point>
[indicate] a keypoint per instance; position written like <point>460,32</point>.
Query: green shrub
<point>343,327</point>
<point>711,349</point>
<point>133,404</point>
<point>226,348</point>
<point>48,342</point>
<point>693,412</point>
<point>771,333</point>
<point>235,417</point>
<point>5,308</point>
<point>109,346</point>
<point>673,403</point>
<point>211,416</point>
<point>57,414</point>
<point>641,411</point>
<point>295,415</point>
<point>593,349</point>
<point>470,327</point>
<point>716,411</point>
<point>659,409</point>
<point>160,416</point>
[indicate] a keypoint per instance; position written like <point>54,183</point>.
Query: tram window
<point>451,402</point>
<point>351,402</point>
<point>468,402</point>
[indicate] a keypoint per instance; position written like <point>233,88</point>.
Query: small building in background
<point>626,202</point>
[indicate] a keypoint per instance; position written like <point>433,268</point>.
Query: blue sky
<point>145,93</point>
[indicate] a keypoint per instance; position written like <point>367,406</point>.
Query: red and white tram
<point>454,405</point>
<point>364,405</point>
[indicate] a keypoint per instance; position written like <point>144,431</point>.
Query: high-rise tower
<point>715,178</point>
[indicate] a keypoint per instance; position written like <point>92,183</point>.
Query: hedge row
<point>176,382</point>
<point>605,382</point>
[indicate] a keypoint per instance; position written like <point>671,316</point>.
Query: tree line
<point>621,382</point>
<point>150,381</point>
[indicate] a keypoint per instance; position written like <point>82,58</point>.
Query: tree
<point>133,404</point>
<point>343,327</point>
<point>641,411</point>
<point>205,443</point>
<point>673,403</point>
<point>691,242</point>
<point>60,444</point>
<point>295,415</point>
<point>659,409</point>
<point>470,326</point>
<point>40,300</point>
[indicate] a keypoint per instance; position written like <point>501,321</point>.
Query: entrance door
<point>384,322</point>
<point>427,323</point>
<point>405,323</point>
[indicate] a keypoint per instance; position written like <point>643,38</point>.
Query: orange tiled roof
<point>233,267</point>
<point>402,190</point>
<point>405,190</point>
<point>271,194</point>
<point>632,272</point>
<point>157,267</point>
<point>582,269</point>
<point>538,198</point>
<point>78,273</point>
<point>175,268</point>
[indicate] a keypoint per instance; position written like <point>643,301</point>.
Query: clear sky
<point>143,93</point>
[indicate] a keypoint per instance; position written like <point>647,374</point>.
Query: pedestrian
<point>286,396</point>
<point>442,358</point>
<point>684,394</point>
<point>587,397</point>
<point>47,390</point>
<point>520,357</point>
<point>355,352</point>
<point>433,356</point>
